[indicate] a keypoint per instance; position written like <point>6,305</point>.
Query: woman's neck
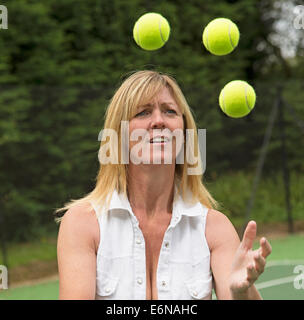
<point>151,190</point>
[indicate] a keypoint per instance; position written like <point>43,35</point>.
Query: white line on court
<point>276,282</point>
<point>284,263</point>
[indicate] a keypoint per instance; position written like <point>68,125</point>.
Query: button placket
<point>139,264</point>
<point>163,271</point>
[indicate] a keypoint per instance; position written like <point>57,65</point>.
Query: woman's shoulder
<point>79,214</point>
<point>215,216</point>
<point>80,221</point>
<point>219,228</point>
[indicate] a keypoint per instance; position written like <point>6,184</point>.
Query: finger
<point>260,262</point>
<point>249,235</point>
<point>252,273</point>
<point>265,247</point>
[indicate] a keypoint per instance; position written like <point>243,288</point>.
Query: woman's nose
<point>157,119</point>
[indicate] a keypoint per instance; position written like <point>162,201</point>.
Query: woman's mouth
<point>160,140</point>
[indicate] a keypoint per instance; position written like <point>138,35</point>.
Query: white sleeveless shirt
<point>183,271</point>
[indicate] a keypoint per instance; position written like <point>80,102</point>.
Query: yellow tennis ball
<point>221,36</point>
<point>151,31</point>
<point>237,99</point>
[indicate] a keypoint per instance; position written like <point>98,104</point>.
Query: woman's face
<point>161,118</point>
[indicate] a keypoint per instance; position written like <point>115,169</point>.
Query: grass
<point>287,248</point>
<point>44,291</point>
<point>20,254</point>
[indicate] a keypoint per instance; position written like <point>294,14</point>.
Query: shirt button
<point>139,281</point>
<point>138,241</point>
<point>194,293</point>
<point>163,283</point>
<point>167,244</point>
<point>108,290</point>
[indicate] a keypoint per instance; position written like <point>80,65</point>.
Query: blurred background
<point>62,60</point>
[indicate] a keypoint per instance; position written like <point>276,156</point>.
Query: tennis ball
<point>151,31</point>
<point>237,99</point>
<point>221,36</point>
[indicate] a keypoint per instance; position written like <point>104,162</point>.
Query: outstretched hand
<point>248,264</point>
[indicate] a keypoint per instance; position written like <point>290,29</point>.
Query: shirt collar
<point>180,207</point>
<point>119,201</point>
<point>187,208</point>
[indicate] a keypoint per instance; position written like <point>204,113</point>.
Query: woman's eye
<point>171,110</point>
<point>144,112</point>
<point>141,113</point>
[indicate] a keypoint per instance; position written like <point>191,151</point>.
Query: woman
<point>150,229</point>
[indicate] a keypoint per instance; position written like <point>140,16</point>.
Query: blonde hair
<point>138,89</point>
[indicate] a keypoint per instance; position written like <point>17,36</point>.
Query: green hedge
<point>234,189</point>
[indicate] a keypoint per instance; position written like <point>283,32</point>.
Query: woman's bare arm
<point>76,253</point>
<point>230,258</point>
